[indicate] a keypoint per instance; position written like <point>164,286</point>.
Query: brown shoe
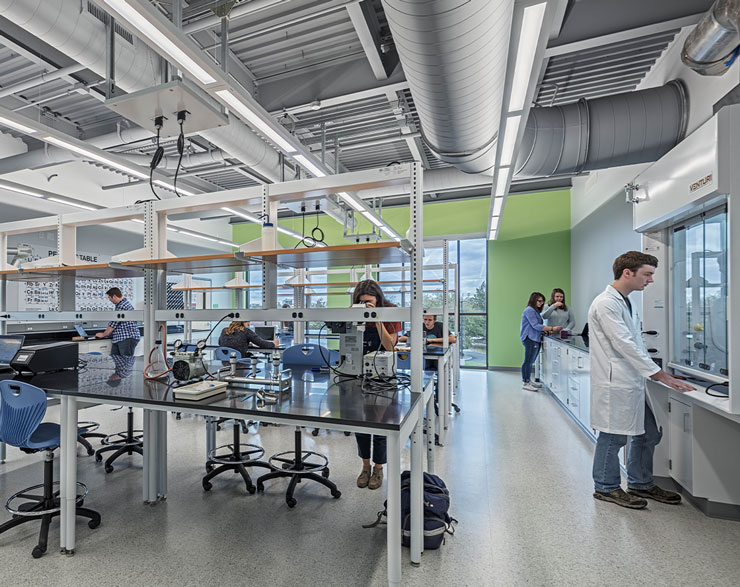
<point>376,479</point>
<point>658,494</point>
<point>622,498</point>
<point>364,478</point>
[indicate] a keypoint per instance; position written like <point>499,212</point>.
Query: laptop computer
<point>10,344</point>
<point>265,332</point>
<point>83,333</point>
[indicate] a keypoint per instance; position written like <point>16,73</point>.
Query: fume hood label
<point>704,181</point>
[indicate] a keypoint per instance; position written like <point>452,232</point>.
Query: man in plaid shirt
<point>125,334</point>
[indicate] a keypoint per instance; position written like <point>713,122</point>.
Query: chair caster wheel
<point>291,502</point>
<point>347,433</point>
<point>260,487</point>
<point>325,473</point>
<point>98,458</point>
<point>38,552</point>
<point>315,432</point>
<point>92,524</point>
<point>207,486</point>
<point>336,494</point>
<point>251,490</point>
<point>90,452</point>
<point>209,468</point>
<point>109,468</point>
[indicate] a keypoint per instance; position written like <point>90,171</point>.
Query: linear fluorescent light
<point>254,120</point>
<point>244,215</point>
<point>95,157</point>
<point>498,204</point>
<point>502,181</point>
<point>171,186</point>
<point>494,223</point>
<point>528,37</point>
<point>305,163</point>
<point>156,36</point>
<point>507,150</point>
<point>17,126</point>
<point>373,219</point>
<point>492,235</point>
<point>75,204</point>
<point>351,201</point>
<point>227,243</point>
<point>200,236</point>
<point>21,190</point>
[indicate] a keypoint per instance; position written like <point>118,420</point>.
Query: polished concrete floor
<point>519,473</point>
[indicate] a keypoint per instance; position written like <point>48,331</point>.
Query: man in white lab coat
<point>620,363</point>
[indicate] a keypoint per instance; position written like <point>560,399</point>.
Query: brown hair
<point>234,327</point>
<point>114,291</point>
<point>632,260</point>
<point>370,287</point>
<point>552,298</point>
<point>533,297</point>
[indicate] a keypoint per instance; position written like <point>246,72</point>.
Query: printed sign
<point>703,182</point>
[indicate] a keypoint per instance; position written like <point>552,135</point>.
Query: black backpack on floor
<point>437,520</point>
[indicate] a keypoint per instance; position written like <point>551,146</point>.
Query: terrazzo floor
<point>519,474</point>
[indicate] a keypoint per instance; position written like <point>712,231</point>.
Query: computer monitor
<point>265,332</point>
<point>10,344</point>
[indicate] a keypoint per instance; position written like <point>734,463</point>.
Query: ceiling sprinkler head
<point>316,105</point>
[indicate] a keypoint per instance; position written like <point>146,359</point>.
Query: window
<point>473,299</point>
<point>699,295</point>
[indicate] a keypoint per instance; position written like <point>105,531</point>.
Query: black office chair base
<point>44,507</point>
<point>87,431</point>
<point>315,432</point>
<point>128,442</point>
<point>234,457</point>
<point>305,464</point>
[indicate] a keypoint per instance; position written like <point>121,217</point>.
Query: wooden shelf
<point>386,252</point>
<point>93,271</point>
<point>218,287</point>
<point>348,283</point>
<point>221,263</point>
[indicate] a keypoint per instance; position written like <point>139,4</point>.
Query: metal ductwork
<point>453,54</point>
<point>713,45</point>
<point>71,29</point>
<point>624,129</point>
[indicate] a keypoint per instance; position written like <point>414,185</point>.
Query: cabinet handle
<point>687,422</point>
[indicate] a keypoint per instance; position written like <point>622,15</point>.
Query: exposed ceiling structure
<point>326,71</point>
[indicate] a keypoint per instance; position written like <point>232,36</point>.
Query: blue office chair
<point>22,407</point>
<point>300,464</point>
<point>223,353</point>
<point>310,355</point>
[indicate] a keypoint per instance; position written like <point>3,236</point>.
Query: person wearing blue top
<point>530,334</point>
<point>125,334</point>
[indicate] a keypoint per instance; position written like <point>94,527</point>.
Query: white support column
<point>394,510</point>
<point>161,454</point>
<point>299,302</point>
<point>416,238</point>
<point>4,265</point>
<point>269,270</point>
<point>417,487</point>
<point>66,243</point>
<point>68,486</point>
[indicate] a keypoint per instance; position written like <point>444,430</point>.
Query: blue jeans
<point>379,447</point>
<point>531,350</point>
<point>124,347</point>
<point>639,459</point>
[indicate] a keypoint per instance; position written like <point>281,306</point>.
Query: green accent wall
<point>532,253</point>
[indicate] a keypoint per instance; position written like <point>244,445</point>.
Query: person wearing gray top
<point>238,336</point>
<point>556,313</point>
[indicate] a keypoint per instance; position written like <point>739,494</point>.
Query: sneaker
<point>376,479</point>
<point>364,478</point>
<point>529,387</point>
<point>622,498</point>
<point>537,384</point>
<point>658,494</point>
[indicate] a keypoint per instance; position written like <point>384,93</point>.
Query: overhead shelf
<point>221,263</point>
<point>385,252</point>
<point>92,271</point>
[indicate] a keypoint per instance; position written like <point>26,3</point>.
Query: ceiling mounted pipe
<point>624,129</point>
<point>71,29</point>
<point>712,46</point>
<point>453,54</point>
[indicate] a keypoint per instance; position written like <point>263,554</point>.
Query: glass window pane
<point>473,268</point>
<point>473,339</point>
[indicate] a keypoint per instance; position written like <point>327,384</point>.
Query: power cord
<point>720,395</point>
<point>158,154</point>
<point>181,115</point>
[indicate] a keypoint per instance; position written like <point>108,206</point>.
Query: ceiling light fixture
<point>373,219</point>
<point>352,201</point>
<point>75,204</point>
<point>527,47</point>
<point>252,118</point>
<point>95,157</point>
<point>17,126</point>
<point>510,133</point>
<point>244,215</point>
<point>308,165</point>
<point>152,32</point>
<point>171,187</point>
<point>502,181</point>
<point>498,205</point>
<point>20,190</point>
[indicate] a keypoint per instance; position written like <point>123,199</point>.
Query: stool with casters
<point>129,441</point>
<point>22,409</point>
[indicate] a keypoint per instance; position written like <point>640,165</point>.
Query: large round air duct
<point>453,54</point>
<point>624,129</point>
<point>712,46</point>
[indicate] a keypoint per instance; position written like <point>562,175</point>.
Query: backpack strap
<point>377,522</point>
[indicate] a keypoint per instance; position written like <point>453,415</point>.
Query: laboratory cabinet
<point>680,439</point>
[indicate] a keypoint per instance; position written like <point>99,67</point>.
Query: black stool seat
<point>236,457</point>
<point>303,465</point>
<point>129,442</point>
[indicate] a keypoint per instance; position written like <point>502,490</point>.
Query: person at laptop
<point>433,331</point>
<point>125,334</point>
<point>240,337</point>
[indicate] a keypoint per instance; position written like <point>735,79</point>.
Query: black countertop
<point>574,341</point>
<point>317,400</point>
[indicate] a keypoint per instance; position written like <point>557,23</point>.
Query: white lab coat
<point>619,366</point>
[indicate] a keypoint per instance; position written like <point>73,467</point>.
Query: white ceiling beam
<point>346,98</point>
<point>367,32</point>
<point>622,36</point>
